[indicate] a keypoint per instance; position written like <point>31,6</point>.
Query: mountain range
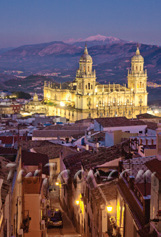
<point>59,60</point>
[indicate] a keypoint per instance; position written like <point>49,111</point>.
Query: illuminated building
<point>87,98</point>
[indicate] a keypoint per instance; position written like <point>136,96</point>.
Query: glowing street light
<point>109,208</point>
<point>57,184</point>
<point>77,202</point>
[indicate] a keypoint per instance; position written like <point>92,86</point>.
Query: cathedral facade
<point>87,98</point>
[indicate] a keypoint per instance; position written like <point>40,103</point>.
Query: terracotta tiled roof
<point>154,166</point>
<point>118,122</point>
<point>146,116</point>
<point>57,133</point>
<point>34,159</point>
<point>48,148</point>
<point>51,150</point>
<point>151,125</point>
<point>66,127</point>
<point>7,151</point>
<point>90,160</point>
<point>98,136</point>
<point>104,193</point>
<point>88,120</point>
<point>11,139</point>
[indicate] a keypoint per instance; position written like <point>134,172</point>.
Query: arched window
<point>88,68</point>
<point>89,86</point>
<point>136,68</point>
<point>84,68</point>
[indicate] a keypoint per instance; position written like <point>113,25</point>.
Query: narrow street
<point>68,229</point>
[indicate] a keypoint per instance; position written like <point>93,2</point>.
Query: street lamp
<point>77,202</point>
<point>109,208</point>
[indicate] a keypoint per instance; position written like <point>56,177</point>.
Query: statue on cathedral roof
<point>137,57</point>
<point>85,56</point>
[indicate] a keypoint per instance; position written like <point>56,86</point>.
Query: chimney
<point>158,145</point>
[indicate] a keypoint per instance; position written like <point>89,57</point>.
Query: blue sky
<point>36,21</point>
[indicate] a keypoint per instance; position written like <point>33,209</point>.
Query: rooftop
<point>34,159</point>
<point>151,125</point>
<point>58,133</point>
<point>146,116</point>
<point>137,164</point>
<point>68,127</point>
<point>90,160</point>
<point>104,193</point>
<point>154,166</point>
<point>118,122</point>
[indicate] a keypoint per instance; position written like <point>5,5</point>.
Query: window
<point>88,68</point>
<point>89,86</point>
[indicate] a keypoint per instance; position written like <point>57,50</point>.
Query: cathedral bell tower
<point>85,77</point>
<point>137,79</point>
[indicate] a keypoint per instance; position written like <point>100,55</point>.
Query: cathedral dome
<point>137,57</point>
<point>86,57</point>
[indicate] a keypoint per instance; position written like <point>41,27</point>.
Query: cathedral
<point>87,98</point>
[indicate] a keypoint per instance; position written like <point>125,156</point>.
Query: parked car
<point>55,219</point>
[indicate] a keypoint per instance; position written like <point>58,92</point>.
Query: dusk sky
<point>36,21</point>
